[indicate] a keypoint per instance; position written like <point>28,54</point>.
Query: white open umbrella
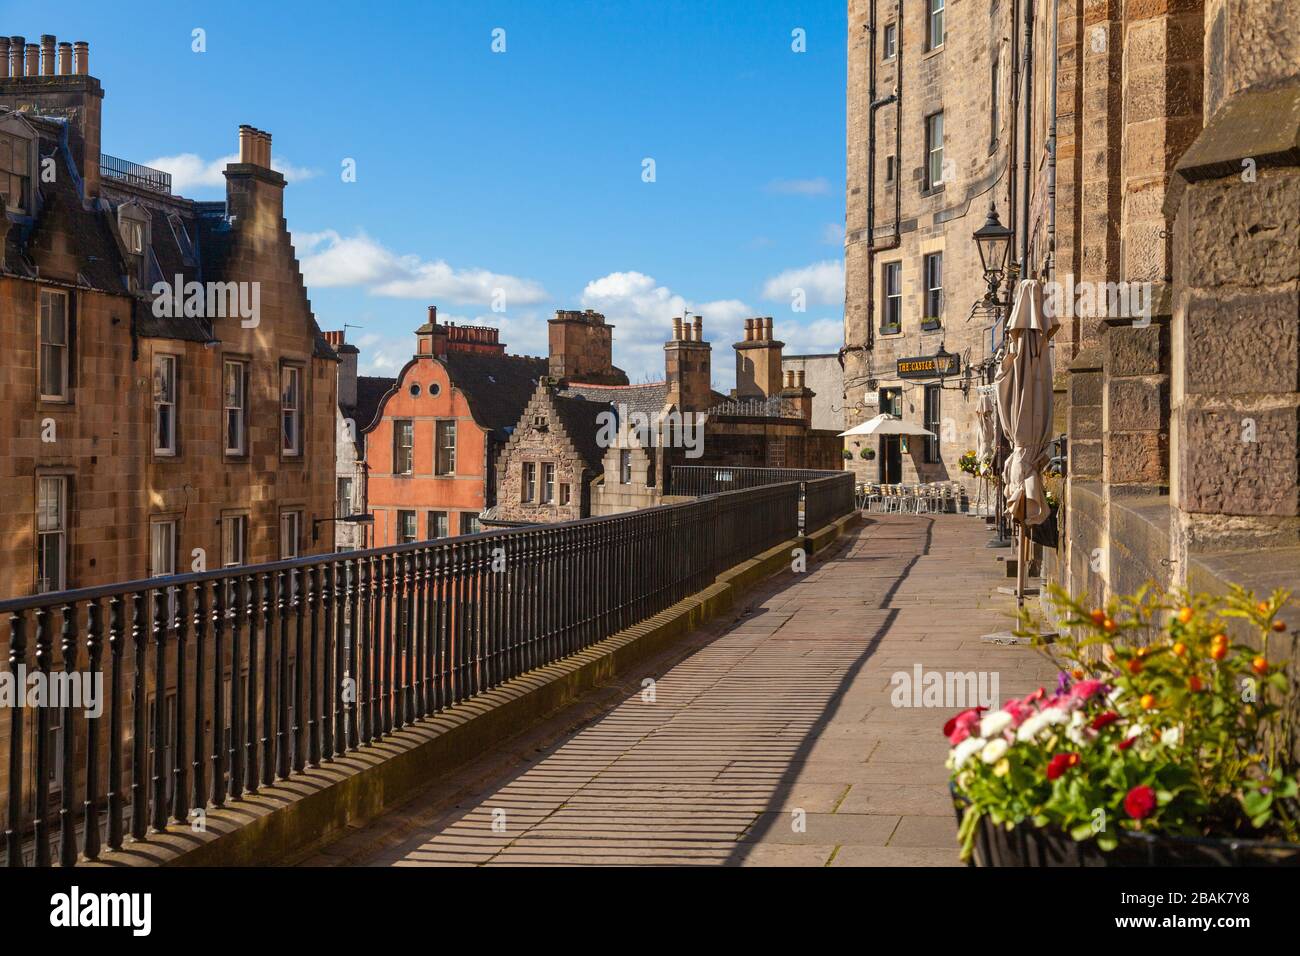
<point>886,424</point>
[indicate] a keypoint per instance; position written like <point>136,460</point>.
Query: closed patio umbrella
<point>1024,387</point>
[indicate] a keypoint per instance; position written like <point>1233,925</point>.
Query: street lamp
<point>994,242</point>
<point>365,519</point>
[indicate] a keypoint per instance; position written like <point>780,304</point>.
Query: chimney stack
<point>758,361</point>
<point>688,364</point>
<point>47,54</point>
<point>81,54</point>
<point>65,59</point>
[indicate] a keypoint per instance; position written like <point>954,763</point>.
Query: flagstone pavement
<point>768,739</point>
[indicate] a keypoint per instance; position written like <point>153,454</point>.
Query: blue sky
<point>521,170</point>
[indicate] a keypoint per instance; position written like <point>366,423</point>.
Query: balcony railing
<point>825,495</point>
<point>222,682</point>
<point>146,177</point>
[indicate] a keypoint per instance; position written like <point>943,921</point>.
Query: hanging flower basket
<point>867,454</point>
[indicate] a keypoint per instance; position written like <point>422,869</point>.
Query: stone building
<point>359,397</point>
<point>431,443</point>
<point>166,398</point>
<point>824,376</point>
<point>928,153</point>
<point>1177,172</point>
<point>622,441</point>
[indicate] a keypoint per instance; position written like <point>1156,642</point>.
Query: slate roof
<point>371,390</point>
<point>497,387</point>
<point>648,398</point>
<point>580,420</point>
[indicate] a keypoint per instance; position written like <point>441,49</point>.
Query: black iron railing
<point>825,499</point>
<point>146,177</point>
<point>219,683</point>
<point>712,479</point>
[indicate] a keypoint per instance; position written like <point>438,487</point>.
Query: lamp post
<point>363,519</point>
<point>994,243</point>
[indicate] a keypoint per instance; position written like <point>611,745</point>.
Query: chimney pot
<point>33,67</point>
<point>677,328</point>
<point>749,330</point>
<point>81,54</point>
<point>47,54</point>
<point>433,315</point>
<point>65,59</point>
<point>16,45</point>
<point>4,58</point>
<point>767,328</point>
<point>698,334</point>
<point>799,378</point>
<point>245,143</point>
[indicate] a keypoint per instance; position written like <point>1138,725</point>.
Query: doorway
<point>891,446</point>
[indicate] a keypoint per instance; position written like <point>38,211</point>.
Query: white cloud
<point>329,259</point>
<point>191,173</point>
<point>833,234</point>
<point>822,283</point>
<point>814,338</point>
<point>799,187</point>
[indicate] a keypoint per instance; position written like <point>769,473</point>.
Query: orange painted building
<point>431,449</point>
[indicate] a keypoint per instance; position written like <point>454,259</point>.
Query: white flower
<point>993,751</point>
<point>993,724</point>
<point>1078,730</point>
<point>1115,694</point>
<point>1030,728</point>
<point>961,753</point>
<point>1171,737</point>
<point>1135,730</point>
<point>1055,715</point>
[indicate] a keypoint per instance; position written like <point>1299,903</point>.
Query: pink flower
<point>1088,688</point>
<point>958,728</point>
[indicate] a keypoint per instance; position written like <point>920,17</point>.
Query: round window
<point>435,388</point>
<point>415,390</point>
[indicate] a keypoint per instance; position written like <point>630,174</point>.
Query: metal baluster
<point>160,622</point>
<point>438,648</point>
<point>180,790</point>
<point>67,741</point>
<point>94,659</point>
<point>42,782</point>
<point>116,638</point>
<point>298,594</point>
<point>139,720</point>
<point>268,679</point>
<point>235,752</point>
<point>402,626</point>
<point>218,691</point>
<point>419,613</point>
<point>252,777</point>
<point>363,684</point>
<point>312,583</point>
<point>198,777</point>
<point>17,739</point>
<point>388,643</point>
<point>352,714</point>
<point>333,647</point>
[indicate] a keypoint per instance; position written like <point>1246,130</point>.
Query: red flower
<point>1126,743</point>
<point>1061,763</point>
<point>958,728</point>
<point>1104,719</point>
<point>1140,802</point>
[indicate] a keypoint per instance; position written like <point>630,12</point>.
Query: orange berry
<point>1108,626</point>
<point>1098,616</point>
<point>1135,666</point>
<point>1262,607</point>
<point>1148,701</point>
<point>1194,684</point>
<point>1259,665</point>
<point>1184,615</point>
<point>1279,626</point>
<point>1219,651</point>
<point>1180,649</point>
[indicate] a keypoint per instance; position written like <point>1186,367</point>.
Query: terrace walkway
<point>786,708</point>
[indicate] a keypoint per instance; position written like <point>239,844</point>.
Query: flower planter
<point>1027,845</point>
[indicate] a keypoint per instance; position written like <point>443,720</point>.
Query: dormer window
<point>15,173</point>
<point>133,236</point>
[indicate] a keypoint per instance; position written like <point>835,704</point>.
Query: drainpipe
<point>1051,152</point>
<point>1026,150</point>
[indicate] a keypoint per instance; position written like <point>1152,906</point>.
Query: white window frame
<point>63,353</point>
<point>234,531</point>
<point>20,147</point>
<point>290,534</point>
<point>402,515</point>
<point>444,439</point>
<point>132,232</point>
<point>164,433</point>
<point>168,528</point>
<point>439,524</point>
<point>934,25</point>
<point>933,286</point>
<point>548,483</point>
<point>565,493</point>
<point>403,451</point>
<point>934,153</point>
<point>889,42</point>
<point>528,483</point>
<point>59,533</point>
<point>291,412</point>
<point>891,301</point>
<point>240,411</point>
<point>344,499</point>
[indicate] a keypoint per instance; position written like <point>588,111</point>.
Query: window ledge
<point>932,325</point>
<point>892,330</point>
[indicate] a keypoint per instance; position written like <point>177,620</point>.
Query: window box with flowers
<point>1164,742</point>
